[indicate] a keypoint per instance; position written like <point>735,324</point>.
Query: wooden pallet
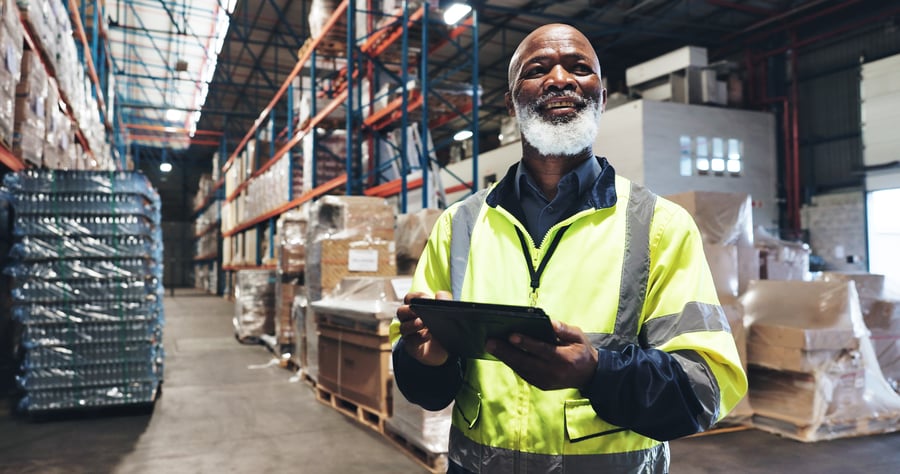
<point>433,462</point>
<point>364,415</point>
<point>716,430</point>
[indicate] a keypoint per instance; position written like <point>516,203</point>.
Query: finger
<point>443,295</point>
<point>532,346</point>
<point>409,296</point>
<point>411,326</point>
<point>568,334</point>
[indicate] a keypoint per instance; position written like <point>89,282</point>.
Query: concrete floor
<point>225,408</point>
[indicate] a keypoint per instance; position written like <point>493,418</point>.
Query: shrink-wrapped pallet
<point>254,304</point>
<point>814,374</point>
<point>412,233</point>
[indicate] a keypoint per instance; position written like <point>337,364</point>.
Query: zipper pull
<point>533,297</point>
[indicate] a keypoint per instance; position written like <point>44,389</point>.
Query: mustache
<point>566,94</point>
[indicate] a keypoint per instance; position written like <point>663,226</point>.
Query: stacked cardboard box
<point>883,321</point>
<point>30,117</point>
<point>412,234</point>
<point>354,350</point>
<point>291,258</point>
<point>11,55</point>
<point>427,430</point>
<point>813,373</point>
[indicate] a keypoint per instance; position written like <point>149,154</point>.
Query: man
<point>645,354</point>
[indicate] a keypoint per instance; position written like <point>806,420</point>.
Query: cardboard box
<point>805,399</point>
<point>809,339</point>
<point>332,260</point>
<point>356,366</point>
<point>723,263</point>
<point>869,286</point>
<point>428,430</point>
<point>791,358</point>
<point>723,218</point>
<point>369,316</point>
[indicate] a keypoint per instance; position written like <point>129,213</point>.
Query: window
<point>710,156</point>
<point>687,156</point>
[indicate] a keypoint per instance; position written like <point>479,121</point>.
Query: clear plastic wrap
<point>80,246</point>
<point>254,304</point>
<point>781,259</point>
<point>286,290</point>
<point>818,377</point>
<point>42,291</point>
<point>86,270</point>
<point>412,234</point>
<point>135,268</point>
<point>81,204</point>
<point>429,430</point>
<point>81,182</point>
<point>68,398</point>
<point>64,226</point>
<point>349,236</point>
<point>883,320</point>
<point>292,233</point>
<point>298,320</point>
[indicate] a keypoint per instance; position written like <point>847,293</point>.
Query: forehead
<point>557,40</point>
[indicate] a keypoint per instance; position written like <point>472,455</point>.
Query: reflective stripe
<point>704,384</point>
<point>613,342</point>
<point>477,458</point>
<point>461,239</point>
<point>636,264</point>
<point>695,317</point>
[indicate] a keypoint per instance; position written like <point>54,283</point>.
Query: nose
<point>560,79</point>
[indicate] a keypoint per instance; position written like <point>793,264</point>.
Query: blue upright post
<point>351,14</point>
<point>290,135</point>
<point>404,91</point>
<point>425,159</point>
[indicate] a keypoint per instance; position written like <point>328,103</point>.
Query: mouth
<point>565,104</point>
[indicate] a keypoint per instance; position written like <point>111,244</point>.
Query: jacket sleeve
<point>432,388</point>
<point>685,373</point>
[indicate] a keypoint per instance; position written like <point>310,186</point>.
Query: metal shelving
<point>382,76</point>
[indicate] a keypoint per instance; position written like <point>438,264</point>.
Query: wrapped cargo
<point>883,320</point>
<point>412,234</point>
<point>254,304</point>
<point>427,430</point>
<point>348,236</point>
<point>814,374</point>
<point>292,232</point>
<point>86,275</point>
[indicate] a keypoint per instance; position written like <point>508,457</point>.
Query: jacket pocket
<point>582,422</point>
<point>468,405</point>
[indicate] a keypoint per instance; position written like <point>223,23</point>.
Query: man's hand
<point>417,338</point>
<point>571,364</point>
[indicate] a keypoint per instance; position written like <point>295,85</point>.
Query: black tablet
<point>462,327</point>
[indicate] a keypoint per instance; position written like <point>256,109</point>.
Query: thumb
<point>443,295</point>
<point>568,334</point>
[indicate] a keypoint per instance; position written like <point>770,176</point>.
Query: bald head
<point>551,34</point>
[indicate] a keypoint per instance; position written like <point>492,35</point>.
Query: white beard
<point>566,138</point>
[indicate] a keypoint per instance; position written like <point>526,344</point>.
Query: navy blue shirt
<point>541,213</point>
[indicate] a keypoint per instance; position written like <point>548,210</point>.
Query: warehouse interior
<point>212,209</point>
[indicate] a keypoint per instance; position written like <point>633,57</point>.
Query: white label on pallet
<point>362,260</point>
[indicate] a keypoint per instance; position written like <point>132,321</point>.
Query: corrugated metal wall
<point>830,135</point>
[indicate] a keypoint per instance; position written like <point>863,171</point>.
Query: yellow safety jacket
<point>632,273</point>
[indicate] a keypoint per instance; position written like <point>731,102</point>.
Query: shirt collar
<point>585,174</point>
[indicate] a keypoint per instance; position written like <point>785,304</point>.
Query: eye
<point>582,69</point>
<point>534,71</point>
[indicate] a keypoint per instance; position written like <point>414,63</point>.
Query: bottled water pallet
<point>361,414</point>
<point>97,411</point>
<point>433,462</point>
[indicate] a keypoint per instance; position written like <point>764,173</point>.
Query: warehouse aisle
<point>224,408</point>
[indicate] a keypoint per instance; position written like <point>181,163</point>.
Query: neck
<point>548,170</point>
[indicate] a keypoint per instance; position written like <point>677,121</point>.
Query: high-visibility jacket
<point>633,273</point>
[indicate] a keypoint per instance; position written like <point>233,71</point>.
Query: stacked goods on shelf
<point>780,259</point>
<point>30,118</point>
<point>348,236</point>
<point>813,372</point>
<point>59,132</point>
<point>330,154</point>
<point>86,285</point>
<point>11,55</point>
<point>412,233</point>
<point>291,255</point>
<point>725,221</point>
<point>254,304</point>
<point>354,350</point>
<point>206,229</point>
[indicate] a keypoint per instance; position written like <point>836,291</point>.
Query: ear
<point>510,109</point>
<point>603,97</point>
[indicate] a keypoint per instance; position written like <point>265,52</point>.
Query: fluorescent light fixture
<point>456,12</point>
<point>165,167</point>
<point>462,135</point>
<point>170,129</point>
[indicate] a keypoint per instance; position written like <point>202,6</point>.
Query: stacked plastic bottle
<point>86,269</point>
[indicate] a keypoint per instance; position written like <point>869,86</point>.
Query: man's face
<point>555,91</point>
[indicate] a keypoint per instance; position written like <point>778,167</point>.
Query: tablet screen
<point>462,327</point>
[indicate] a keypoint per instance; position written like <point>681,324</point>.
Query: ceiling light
<point>462,135</point>
<point>171,129</point>
<point>174,115</point>
<point>456,12</point>
<point>165,167</point>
